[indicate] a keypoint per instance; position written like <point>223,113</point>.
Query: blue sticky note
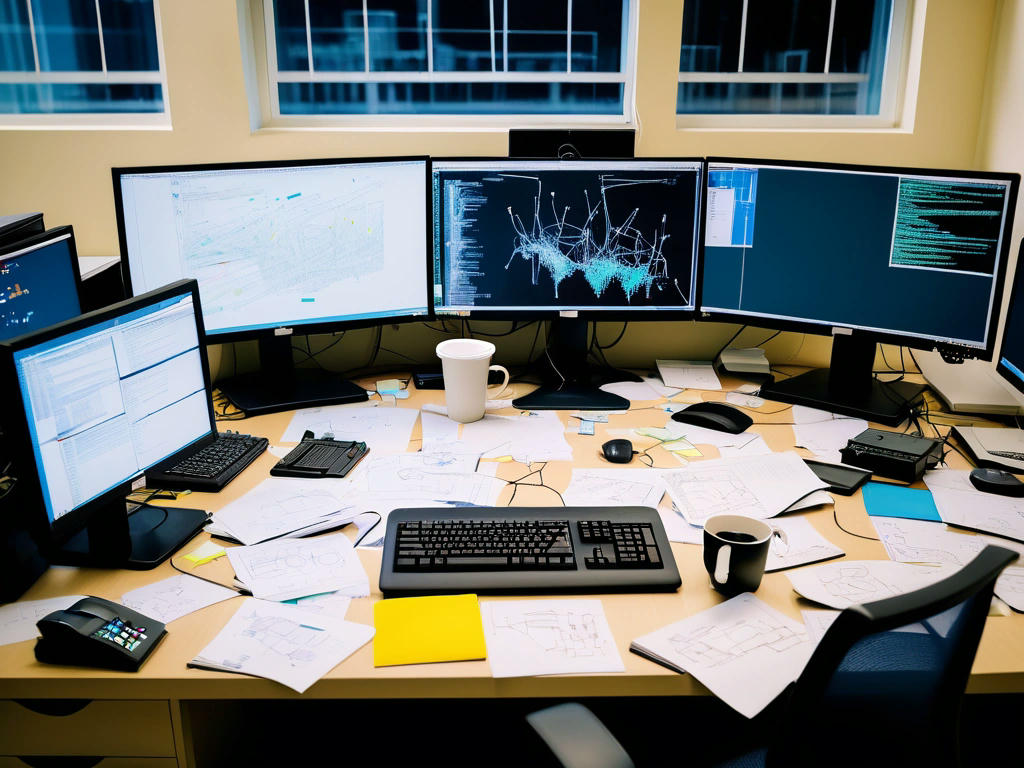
<point>884,500</point>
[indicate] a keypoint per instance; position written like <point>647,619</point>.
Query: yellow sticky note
<point>205,553</point>
<point>419,630</point>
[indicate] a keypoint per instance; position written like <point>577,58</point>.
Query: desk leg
<point>180,725</point>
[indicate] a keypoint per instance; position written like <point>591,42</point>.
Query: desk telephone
<point>98,633</point>
<point>320,457</point>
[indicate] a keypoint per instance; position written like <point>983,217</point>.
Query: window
<point>792,57</point>
<point>449,57</point>
<point>79,57</point>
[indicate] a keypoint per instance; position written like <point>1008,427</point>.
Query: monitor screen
<point>39,282</point>
<point>108,400</point>
<point>277,245</point>
<point>918,255</point>
<point>609,236</point>
<point>1010,360</point>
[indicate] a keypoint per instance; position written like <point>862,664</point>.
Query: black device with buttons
<point>892,454</point>
<point>95,632</point>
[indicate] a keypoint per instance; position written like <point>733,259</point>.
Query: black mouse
<point>618,451</point>
<point>996,481</point>
<point>717,416</point>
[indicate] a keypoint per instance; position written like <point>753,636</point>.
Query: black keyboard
<point>211,467</point>
<point>1009,455</point>
<point>526,549</point>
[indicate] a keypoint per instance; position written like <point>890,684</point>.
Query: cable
<point>367,531</point>
<point>540,476</point>
<point>835,517</point>
<point>730,341</point>
<point>239,590</point>
<point>617,338</point>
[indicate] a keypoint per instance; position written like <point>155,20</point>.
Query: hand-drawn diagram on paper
<point>715,644</point>
<point>849,582</point>
<point>175,597</point>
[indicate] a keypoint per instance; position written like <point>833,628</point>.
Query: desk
<point>158,723</point>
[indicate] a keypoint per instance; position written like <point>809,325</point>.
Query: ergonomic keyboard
<point>212,466</point>
<point>526,550</point>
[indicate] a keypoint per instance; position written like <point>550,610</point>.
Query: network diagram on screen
<point>528,237</point>
<point>896,252</point>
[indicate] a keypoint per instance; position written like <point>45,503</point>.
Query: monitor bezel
<point>294,329</point>
<point>1011,378</point>
<point>617,314</point>
<point>19,435</point>
<point>34,243</point>
<point>879,336</point>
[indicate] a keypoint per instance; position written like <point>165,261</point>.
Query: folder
<point>420,630</point>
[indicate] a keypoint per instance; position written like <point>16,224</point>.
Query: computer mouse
<point>717,416</point>
<point>996,481</point>
<point>618,451</point>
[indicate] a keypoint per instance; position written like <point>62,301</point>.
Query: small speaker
<point>572,144</point>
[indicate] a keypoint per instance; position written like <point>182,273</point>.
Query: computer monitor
<point>282,248</point>
<point>867,254</point>
<point>570,240</point>
<point>95,402</point>
<point>40,282</point>
<point>1010,357</point>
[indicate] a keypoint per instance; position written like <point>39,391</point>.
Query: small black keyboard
<point>526,549</point>
<point>1015,455</point>
<point>211,467</point>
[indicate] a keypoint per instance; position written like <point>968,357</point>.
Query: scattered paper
<point>205,552</point>
<point>826,438</point>
<point>802,544</point>
<point>384,429</point>
<point>329,603</point>
<point>745,400</point>
<point>755,447</point>
<point>655,383</point>
<point>960,503</point>
<point>175,597</point>
<point>743,650</point>
<point>527,437</point>
<point>677,529</point>
<point>614,487</point>
<point>851,582</point>
<point>921,541</point>
<point>818,622</point>
<point>439,476</point>
<point>704,436</point>
<point>1010,587</point>
<point>758,486</point>
<point>805,415</point>
<point>284,643</point>
<point>287,568</point>
<point>548,637</point>
<point>632,390</point>
<point>688,374</point>
<point>18,620</point>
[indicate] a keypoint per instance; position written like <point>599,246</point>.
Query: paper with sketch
<point>1010,587</point>
<point>818,622</point>
<point>632,390</point>
<point>826,438</point>
<point>960,503</point>
<point>18,620</point>
<point>688,374</point>
<point>704,436</point>
<point>801,545</point>
<point>527,437</point>
<point>614,487</point>
<point>281,505</point>
<point>284,643</point>
<point>329,604</point>
<point>287,568</point>
<point>442,477</point>
<point>756,447</point>
<point>743,650</point>
<point>548,637</point>
<point>851,582</point>
<point>655,383</point>
<point>756,486</point>
<point>438,431</point>
<point>385,429</point>
<point>924,541</point>
<point>677,529</point>
<point>175,597</point>
<point>816,499</point>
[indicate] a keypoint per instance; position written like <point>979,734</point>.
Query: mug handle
<point>721,574</point>
<point>501,387</point>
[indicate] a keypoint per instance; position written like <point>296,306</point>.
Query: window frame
<point>893,110</point>
<point>258,27</point>
<point>92,120</point>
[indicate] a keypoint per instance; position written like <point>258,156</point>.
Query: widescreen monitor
<point>282,248</point>
<point>1010,356</point>
<point>99,400</point>
<point>40,282</point>
<point>566,239</point>
<point>906,256</point>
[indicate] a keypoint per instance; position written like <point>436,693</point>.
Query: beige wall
<point>66,174</point>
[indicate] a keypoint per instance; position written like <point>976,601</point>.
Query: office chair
<point>883,687</point>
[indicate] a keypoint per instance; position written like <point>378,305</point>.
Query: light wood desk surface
<point>999,666</point>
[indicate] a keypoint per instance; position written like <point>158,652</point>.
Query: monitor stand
<point>279,386</point>
<point>848,387</point>
<point>138,540</point>
<point>569,381</point>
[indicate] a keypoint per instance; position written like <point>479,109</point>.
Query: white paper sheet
<point>441,477</point>
<point>632,390</point>
<point>384,428</point>
<point>677,529</point>
<point>548,637</point>
<point>1010,587</point>
<point>655,383</point>
<point>287,568</point>
<point>526,438</point>
<point>284,643</point>
<point>18,620</point>
<point>688,374</point>
<point>614,487</point>
<point>438,430</point>
<point>281,505</point>
<point>922,541</point>
<point>826,438</point>
<point>816,499</point>
<point>703,436</point>
<point>850,582</point>
<point>329,604</point>
<point>759,486</point>
<point>804,415</point>
<point>175,597</point>
<point>802,545</point>
<point>743,650</point>
<point>960,503</point>
<point>818,622</point>
<point>756,447</point>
